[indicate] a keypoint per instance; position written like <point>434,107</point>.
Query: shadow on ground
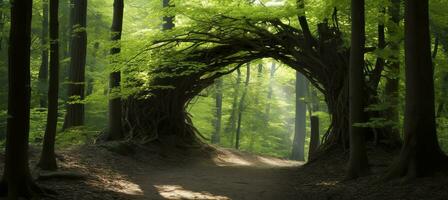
<point>145,173</point>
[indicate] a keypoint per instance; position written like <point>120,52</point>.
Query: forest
<point>224,99</point>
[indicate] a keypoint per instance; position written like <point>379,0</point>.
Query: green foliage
<point>268,133</point>
<point>265,133</point>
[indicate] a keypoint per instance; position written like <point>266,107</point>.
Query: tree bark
<point>115,112</point>
<point>420,154</point>
<point>298,147</point>
<point>358,163</point>
<point>48,158</point>
<point>17,181</point>
<point>270,90</point>
<point>76,86</point>
<point>93,63</point>
<point>242,108</point>
<point>393,81</point>
<point>216,138</point>
<point>233,115</point>
<point>314,137</point>
<point>43,70</point>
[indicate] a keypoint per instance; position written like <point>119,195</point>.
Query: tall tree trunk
<point>298,146</point>
<point>242,108</point>
<point>216,138</point>
<point>314,137</point>
<point>48,158</point>
<point>420,154</point>
<point>270,90</point>
<point>392,82</point>
<point>76,85</point>
<point>17,181</point>
<point>233,115</point>
<point>441,107</point>
<point>358,163</point>
<point>115,112</point>
<point>43,70</point>
<point>93,63</point>
<point>65,38</point>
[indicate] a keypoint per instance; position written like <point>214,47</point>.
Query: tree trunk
<point>93,63</point>
<point>242,108</point>
<point>270,90</point>
<point>78,48</point>
<point>393,81</point>
<point>314,137</point>
<point>420,154</point>
<point>218,112</point>
<point>233,115</point>
<point>48,158</point>
<point>17,181</point>
<point>298,147</point>
<point>43,70</point>
<point>115,112</point>
<point>358,163</point>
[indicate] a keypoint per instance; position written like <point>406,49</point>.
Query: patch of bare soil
<point>123,172</point>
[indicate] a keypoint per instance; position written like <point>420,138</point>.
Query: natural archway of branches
<point>223,44</point>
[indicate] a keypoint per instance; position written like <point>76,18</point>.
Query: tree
<point>393,80</point>
<point>17,181</point>
<point>43,70</point>
<point>218,111</point>
<point>358,164</point>
<point>115,112</point>
<point>48,158</point>
<point>314,137</point>
<point>298,147</point>
<point>242,107</point>
<point>231,127</point>
<point>78,48</point>
<point>420,154</point>
<point>270,90</point>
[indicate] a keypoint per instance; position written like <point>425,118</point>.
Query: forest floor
<point>127,172</point>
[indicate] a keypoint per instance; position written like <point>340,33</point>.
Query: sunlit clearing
<point>279,162</point>
<point>227,158</point>
<point>124,186</point>
<point>178,192</point>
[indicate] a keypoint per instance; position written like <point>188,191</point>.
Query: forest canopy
<point>294,79</point>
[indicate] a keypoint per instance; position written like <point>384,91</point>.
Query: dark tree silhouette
<point>358,164</point>
<point>43,70</point>
<point>241,108</point>
<point>17,181</point>
<point>78,48</point>
<point>216,137</point>
<point>48,158</point>
<point>392,82</point>
<point>115,111</point>
<point>420,154</point>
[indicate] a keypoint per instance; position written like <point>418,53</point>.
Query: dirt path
<point>228,175</point>
<point>147,174</point>
<point>237,176</point>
